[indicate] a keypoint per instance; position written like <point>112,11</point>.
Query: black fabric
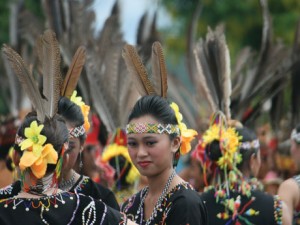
<point>10,190</point>
<point>64,208</point>
<point>181,206</point>
<point>88,187</point>
<point>264,203</point>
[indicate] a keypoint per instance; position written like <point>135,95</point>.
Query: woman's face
<point>72,152</point>
<point>151,153</point>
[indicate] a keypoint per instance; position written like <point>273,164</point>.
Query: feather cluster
<point>146,86</point>
<point>47,48</point>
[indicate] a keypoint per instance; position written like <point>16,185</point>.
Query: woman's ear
<point>176,142</point>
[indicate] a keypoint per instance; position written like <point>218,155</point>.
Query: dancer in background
<point>232,155</point>
<point>289,190</point>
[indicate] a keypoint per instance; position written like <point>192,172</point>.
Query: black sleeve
<point>108,197</point>
<point>187,209</point>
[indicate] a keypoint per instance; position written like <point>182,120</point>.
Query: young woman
<point>70,180</point>
<point>236,197</point>
<point>153,140</point>
<point>40,201</point>
<point>289,190</point>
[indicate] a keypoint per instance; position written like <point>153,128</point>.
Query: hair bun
<point>213,150</point>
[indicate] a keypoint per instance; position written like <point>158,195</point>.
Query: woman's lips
<point>144,163</point>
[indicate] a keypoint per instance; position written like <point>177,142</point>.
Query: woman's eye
<point>70,148</point>
<point>150,143</point>
<point>131,144</point>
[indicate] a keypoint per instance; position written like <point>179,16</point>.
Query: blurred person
<point>289,190</point>
<point>235,195</point>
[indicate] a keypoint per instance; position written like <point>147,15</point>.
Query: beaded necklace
<point>158,203</point>
<point>67,184</point>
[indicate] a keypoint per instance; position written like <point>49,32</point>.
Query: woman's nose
<point>142,151</point>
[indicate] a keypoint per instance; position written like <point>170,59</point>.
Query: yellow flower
<point>85,109</point>
<point>76,99</point>
<point>187,135</point>
<point>229,143</point>
<point>34,139</point>
<point>38,164</point>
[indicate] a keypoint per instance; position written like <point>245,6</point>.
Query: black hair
<point>155,106</point>
<point>54,129</point>
<point>72,114</point>
<point>213,149</point>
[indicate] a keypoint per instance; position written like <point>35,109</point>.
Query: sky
<point>131,12</point>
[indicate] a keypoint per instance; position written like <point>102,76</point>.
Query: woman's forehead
<point>145,119</point>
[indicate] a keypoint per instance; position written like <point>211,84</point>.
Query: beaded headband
<point>141,128</point>
<point>77,131</point>
<point>249,144</point>
<point>295,136</point>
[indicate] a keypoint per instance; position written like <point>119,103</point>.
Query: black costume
<point>180,206</point>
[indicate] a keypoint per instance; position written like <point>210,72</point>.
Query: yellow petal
<point>52,157</point>
<point>27,159</point>
<point>39,170</point>
<point>26,144</point>
<point>42,139</point>
<point>29,133</point>
<point>37,150</point>
<point>39,161</point>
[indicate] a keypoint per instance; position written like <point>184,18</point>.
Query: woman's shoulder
<point>10,190</point>
<point>184,191</point>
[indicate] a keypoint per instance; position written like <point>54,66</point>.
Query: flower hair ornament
<point>157,86</point>
<point>36,154</point>
<point>85,109</point>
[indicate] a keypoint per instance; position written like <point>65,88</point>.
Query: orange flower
<point>38,163</point>
<point>187,135</point>
<point>85,109</point>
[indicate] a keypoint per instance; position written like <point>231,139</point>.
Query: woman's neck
<point>157,183</point>
<point>39,187</point>
<point>68,180</point>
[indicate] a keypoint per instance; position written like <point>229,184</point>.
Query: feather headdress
<point>48,51</point>
<point>213,69</point>
<point>158,85</point>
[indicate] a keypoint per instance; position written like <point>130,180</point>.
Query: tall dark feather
<point>26,80</point>
<point>73,74</point>
<point>137,69</point>
<point>51,72</point>
<point>159,70</point>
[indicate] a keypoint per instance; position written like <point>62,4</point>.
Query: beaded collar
<point>158,203</point>
<point>44,203</point>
